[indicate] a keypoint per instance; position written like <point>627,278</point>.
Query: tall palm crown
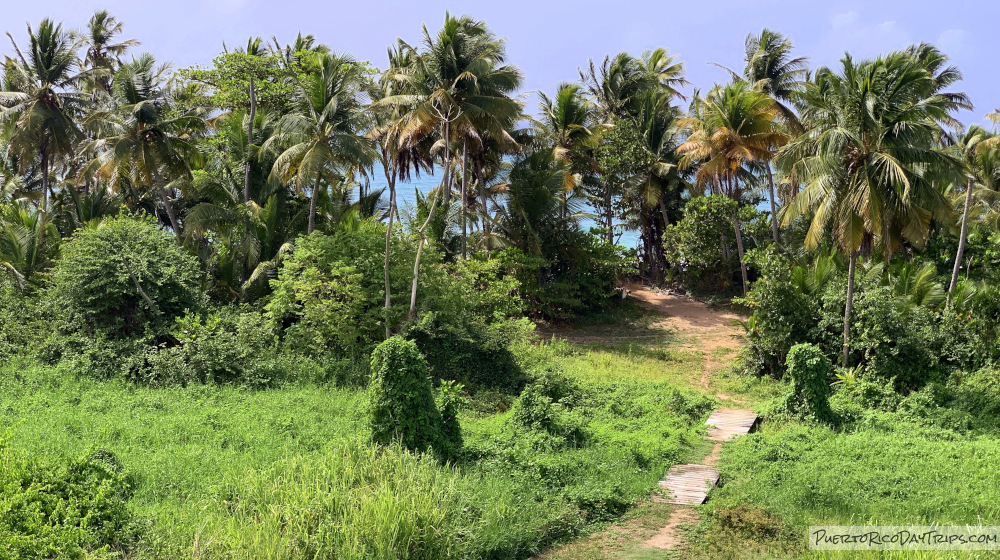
<point>872,129</point>
<point>771,68</point>
<point>323,139</point>
<point>566,120</point>
<point>618,84</point>
<point>40,104</point>
<point>459,80</point>
<point>979,153</point>
<point>732,128</point>
<point>143,142</point>
<point>103,51</point>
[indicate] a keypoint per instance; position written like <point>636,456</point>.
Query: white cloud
<point>844,20</point>
<point>952,40</point>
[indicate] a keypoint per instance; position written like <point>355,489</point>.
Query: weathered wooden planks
<point>689,484</point>
<point>726,423</point>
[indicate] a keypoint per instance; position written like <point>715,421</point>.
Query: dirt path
<point>714,333</point>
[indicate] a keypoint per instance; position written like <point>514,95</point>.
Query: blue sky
<point>550,40</point>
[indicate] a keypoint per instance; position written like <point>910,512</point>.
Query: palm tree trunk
<point>465,181</point>
<point>312,205</point>
<point>774,213</point>
<point>848,307</point>
<point>446,177</point>
<point>45,181</point>
<point>420,251</point>
<point>253,115</point>
<point>486,215</point>
<point>961,240</point>
<point>168,206</point>
<point>391,182</point>
<point>739,249</point>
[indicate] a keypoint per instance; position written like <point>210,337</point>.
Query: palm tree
<point>103,54</point>
<point>732,130</point>
<point>458,87</point>
<point>143,140</point>
<point>770,68</point>
<point>566,123</point>
<point>40,105</point>
<point>871,133</point>
<point>323,137</point>
<point>29,242</point>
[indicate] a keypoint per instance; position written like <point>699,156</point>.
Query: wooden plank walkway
<point>689,484</point>
<point>726,423</point>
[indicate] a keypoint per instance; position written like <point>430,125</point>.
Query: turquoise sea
<point>406,198</point>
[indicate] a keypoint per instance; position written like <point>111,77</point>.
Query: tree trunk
<point>609,215</point>
<point>253,115</point>
<point>739,249</point>
<point>465,181</point>
<point>486,216</point>
<point>420,250</point>
<point>312,205</point>
<point>961,240</point>
<point>45,181</point>
<point>847,308</point>
<point>391,182</point>
<point>774,213</point>
<point>446,177</point>
<point>168,206</point>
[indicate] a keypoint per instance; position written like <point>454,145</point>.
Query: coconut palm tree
<point>103,51</point>
<point>871,133</point>
<point>324,136</point>
<point>771,68</point>
<point>29,242</point>
<point>458,87</point>
<point>40,104</point>
<point>732,130</point>
<point>143,140</point>
<point>566,124</point>
<point>982,171</point>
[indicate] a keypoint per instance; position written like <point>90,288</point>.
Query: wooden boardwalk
<point>726,423</point>
<point>689,484</point>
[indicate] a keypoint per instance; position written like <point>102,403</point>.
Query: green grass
<point>777,482</point>
<point>224,472</point>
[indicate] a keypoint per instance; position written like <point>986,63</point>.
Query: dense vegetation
<point>221,335</point>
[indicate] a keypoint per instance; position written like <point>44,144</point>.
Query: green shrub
<point>124,278</point>
<point>449,398</point>
<point>329,297</point>
<point>472,352</point>
<point>19,325</point>
<point>69,509</point>
<point>810,372</point>
<point>401,398</point>
<point>234,346</point>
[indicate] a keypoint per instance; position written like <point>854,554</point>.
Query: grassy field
<point>222,472</point>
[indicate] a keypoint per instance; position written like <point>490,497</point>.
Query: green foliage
<point>329,295</point>
<point>236,346</point>
<point>124,278</point>
<point>564,287</point>
<point>73,508</point>
<point>474,352</point>
<point>401,407</point>
<point>810,371</point>
<point>701,248</point>
<point>19,325</point>
<point>229,81</point>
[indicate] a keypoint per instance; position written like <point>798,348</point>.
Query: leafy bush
<point>18,320</point>
<point>234,346</point>
<point>401,398</point>
<point>472,352</point>
<point>69,509</point>
<point>810,372</point>
<point>124,278</point>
